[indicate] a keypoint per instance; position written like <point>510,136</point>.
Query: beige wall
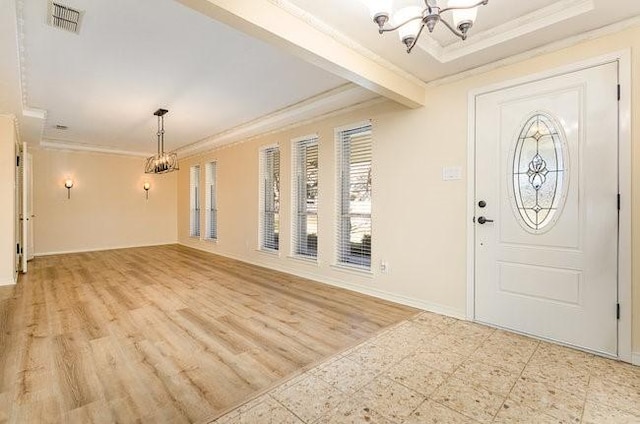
<point>427,262</point>
<point>107,208</point>
<point>7,194</point>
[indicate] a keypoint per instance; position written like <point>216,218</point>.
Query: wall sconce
<point>146,187</point>
<point>68,183</point>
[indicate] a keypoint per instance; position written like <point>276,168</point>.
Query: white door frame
<point>623,58</point>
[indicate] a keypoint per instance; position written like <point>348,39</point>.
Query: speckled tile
<point>429,319</point>
<point>605,391</point>
<point>512,358</point>
<point>393,400</point>
<point>354,411</point>
<point>617,372</point>
<point>407,338</point>
<point>376,355</point>
<point>416,375</point>
<point>548,399</point>
<point>433,413</point>
<point>464,345</point>
<point>266,412</point>
<point>310,398</point>
<point>513,413</point>
<point>547,353</point>
<point>557,375</point>
<point>346,375</point>
<point>596,413</point>
<point>469,399</point>
<point>254,402</point>
<point>469,329</point>
<point>493,378</point>
<point>510,340</point>
<point>295,380</point>
<point>440,358</point>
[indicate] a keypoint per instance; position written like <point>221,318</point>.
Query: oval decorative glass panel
<point>539,173</point>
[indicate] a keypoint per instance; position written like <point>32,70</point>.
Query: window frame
<point>194,201</point>
<point>299,212</point>
<point>211,200</point>
<point>272,213</point>
<point>343,194</point>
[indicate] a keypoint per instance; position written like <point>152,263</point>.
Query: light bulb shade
<point>410,29</point>
<point>463,16</point>
<point>146,186</point>
<point>68,183</point>
<point>380,8</point>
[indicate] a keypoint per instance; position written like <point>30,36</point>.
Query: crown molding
<point>526,24</point>
<point>22,60</point>
<point>548,48</point>
<point>359,106</point>
<point>16,128</point>
<point>342,38</point>
<point>81,147</point>
<point>32,114</point>
<point>311,109</point>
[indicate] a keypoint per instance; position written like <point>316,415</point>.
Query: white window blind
<point>270,198</point>
<point>354,198</point>
<point>211,215</point>
<point>194,201</point>
<point>305,198</point>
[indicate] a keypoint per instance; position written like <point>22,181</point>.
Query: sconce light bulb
<point>68,183</point>
<point>146,186</point>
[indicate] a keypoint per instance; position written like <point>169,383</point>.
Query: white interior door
<point>29,202</point>
<point>18,209</point>
<point>24,213</point>
<point>547,176</point>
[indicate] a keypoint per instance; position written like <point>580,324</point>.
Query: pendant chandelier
<point>410,21</point>
<point>162,162</point>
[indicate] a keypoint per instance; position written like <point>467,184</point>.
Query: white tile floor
<point>435,369</point>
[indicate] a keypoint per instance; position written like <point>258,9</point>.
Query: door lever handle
<point>483,220</point>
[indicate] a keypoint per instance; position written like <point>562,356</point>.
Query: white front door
<point>547,176</point>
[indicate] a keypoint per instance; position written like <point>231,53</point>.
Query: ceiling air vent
<point>64,17</point>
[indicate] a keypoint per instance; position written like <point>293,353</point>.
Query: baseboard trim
<point>635,358</point>
<point>380,294</point>
<point>5,283</point>
<point>100,249</point>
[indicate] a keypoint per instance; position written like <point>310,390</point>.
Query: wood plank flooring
<point>164,334</point>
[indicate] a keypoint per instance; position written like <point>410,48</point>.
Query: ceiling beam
<point>268,22</point>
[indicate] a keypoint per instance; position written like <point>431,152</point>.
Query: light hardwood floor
<point>165,334</point>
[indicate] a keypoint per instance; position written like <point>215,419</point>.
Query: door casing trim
<point>623,59</point>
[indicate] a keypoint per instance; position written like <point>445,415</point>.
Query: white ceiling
<point>219,84</point>
<point>132,57</point>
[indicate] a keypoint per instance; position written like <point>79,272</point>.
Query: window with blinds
<point>270,198</point>
<point>305,198</point>
<point>211,212</point>
<point>194,201</point>
<point>354,198</point>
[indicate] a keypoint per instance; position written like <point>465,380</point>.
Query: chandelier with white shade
<point>411,20</point>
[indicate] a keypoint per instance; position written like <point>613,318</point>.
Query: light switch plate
<point>451,173</point>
